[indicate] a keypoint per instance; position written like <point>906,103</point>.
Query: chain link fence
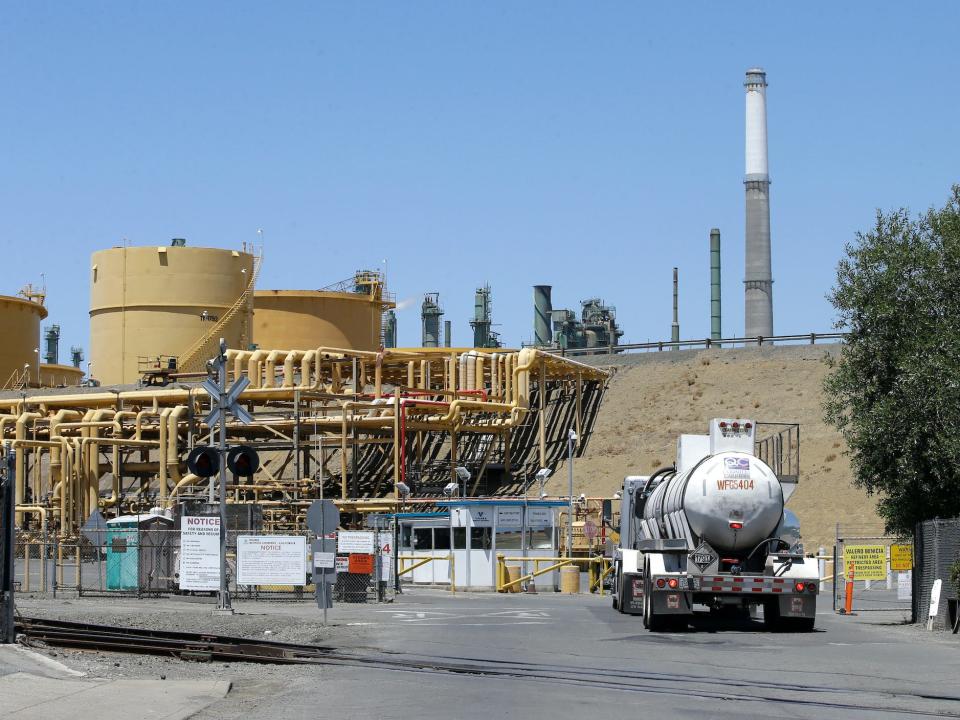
<point>878,584</point>
<point>936,549</point>
<point>143,562</point>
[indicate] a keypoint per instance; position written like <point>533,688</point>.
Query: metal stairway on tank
<point>196,356</point>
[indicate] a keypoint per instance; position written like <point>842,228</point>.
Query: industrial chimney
<point>675,326</point>
<point>715,284</point>
<point>430,313</point>
<point>389,329</point>
<point>758,281</point>
<point>542,316</point>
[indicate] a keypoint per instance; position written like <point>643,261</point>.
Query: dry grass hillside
<point>654,397</point>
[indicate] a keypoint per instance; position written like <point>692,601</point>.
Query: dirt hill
<point>654,397</point>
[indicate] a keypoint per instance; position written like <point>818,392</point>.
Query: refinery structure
<point>337,411</point>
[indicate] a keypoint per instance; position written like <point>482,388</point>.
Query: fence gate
<point>882,570</point>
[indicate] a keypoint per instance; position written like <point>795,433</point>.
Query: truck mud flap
<point>798,606</point>
<point>666,602</point>
<point>631,594</point>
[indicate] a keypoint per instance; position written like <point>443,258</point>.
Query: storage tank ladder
<point>203,349</point>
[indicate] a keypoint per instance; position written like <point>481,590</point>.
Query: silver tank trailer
<point>732,500</point>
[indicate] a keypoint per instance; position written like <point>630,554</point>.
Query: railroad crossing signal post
<point>7,538</point>
<point>224,401</point>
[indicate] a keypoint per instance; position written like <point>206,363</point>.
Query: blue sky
<point>590,146</point>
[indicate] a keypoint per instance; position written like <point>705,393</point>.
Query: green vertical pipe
<point>675,326</point>
<point>715,284</point>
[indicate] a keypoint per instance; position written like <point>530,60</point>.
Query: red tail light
<point>661,582</point>
<point>799,587</point>
<point>811,588</point>
<point>748,425</point>
<point>736,525</point>
<point>723,424</point>
<point>672,582</point>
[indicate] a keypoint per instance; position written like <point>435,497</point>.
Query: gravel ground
<point>299,622</point>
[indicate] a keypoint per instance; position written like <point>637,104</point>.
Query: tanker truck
<point>711,531</point>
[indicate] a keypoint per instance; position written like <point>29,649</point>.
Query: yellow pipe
<point>270,373</point>
<point>164,431</point>
<point>21,467</point>
<point>188,479</point>
<point>169,453</point>
<point>288,363</point>
<point>306,363</point>
<point>253,367</point>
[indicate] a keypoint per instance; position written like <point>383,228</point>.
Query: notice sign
<point>361,564</point>
<point>905,585</point>
<point>324,560</point>
<point>271,560</point>
<point>539,518</point>
<point>869,561</point>
<point>200,553</point>
<point>509,517</point>
<point>901,558</point>
<point>350,541</point>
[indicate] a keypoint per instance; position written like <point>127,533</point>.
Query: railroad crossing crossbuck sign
<point>227,403</point>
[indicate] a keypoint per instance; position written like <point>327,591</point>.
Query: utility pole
<point>571,441</point>
<point>8,632</point>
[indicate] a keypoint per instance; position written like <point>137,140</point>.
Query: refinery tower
<point>758,280</point>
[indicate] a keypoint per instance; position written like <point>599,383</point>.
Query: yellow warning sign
<point>901,558</point>
<point>869,561</point>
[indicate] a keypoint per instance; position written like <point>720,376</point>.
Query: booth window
<point>423,538</point>
<point>459,538</point>
<point>540,539</point>
<point>405,532</point>
<point>480,538</point>
<point>441,538</point>
<point>509,539</point>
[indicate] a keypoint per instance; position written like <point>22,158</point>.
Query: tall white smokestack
<point>758,281</point>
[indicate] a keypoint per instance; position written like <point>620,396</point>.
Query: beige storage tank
<point>20,349</point>
<point>307,319</point>
<point>148,303</point>
<point>56,375</point>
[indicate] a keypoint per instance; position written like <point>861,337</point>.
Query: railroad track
<point>209,647</point>
<point>189,646</point>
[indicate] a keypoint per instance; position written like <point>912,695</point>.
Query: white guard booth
<point>474,531</point>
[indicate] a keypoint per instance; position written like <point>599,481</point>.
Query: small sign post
<point>934,602</point>
<point>323,517</point>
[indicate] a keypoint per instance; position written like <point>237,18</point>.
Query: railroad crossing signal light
<point>243,460</point>
<point>204,461</point>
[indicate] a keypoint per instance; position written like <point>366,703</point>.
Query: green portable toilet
<point>122,564</point>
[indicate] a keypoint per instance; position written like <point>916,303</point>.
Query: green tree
<point>894,391</point>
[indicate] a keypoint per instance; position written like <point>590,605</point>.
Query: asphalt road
<point>574,657</point>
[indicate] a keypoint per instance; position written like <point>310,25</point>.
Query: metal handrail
<point>557,562</point>
<point>662,345</point>
<point>421,560</point>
